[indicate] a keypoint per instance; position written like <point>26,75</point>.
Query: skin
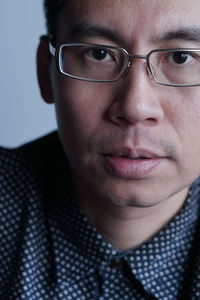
<point>132,113</point>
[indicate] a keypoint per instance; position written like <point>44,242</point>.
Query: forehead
<point>130,18</point>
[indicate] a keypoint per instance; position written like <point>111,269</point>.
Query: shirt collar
<point>164,257</point>
<point>66,216</point>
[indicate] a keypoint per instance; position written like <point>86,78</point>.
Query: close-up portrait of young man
<point>107,206</point>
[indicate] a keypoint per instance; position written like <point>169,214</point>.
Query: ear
<point>43,70</point>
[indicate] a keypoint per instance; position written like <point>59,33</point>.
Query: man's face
<point>131,142</point>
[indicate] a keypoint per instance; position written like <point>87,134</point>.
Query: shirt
<point>49,250</point>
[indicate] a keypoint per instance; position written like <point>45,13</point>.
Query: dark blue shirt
<point>49,250</point>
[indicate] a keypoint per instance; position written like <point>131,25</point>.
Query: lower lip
<point>131,168</point>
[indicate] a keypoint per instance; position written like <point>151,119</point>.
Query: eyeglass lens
<point>181,67</point>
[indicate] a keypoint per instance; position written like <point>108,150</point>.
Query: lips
<point>132,164</point>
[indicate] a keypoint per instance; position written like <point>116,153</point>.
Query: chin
<point>132,202</point>
<point>124,197</point>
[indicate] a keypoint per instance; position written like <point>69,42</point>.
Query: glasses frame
<point>56,52</point>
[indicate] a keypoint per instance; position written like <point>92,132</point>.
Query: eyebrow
<point>191,33</point>
<point>84,30</point>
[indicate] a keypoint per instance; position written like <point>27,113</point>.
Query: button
<point>117,263</point>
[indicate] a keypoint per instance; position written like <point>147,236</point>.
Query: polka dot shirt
<point>49,250</point>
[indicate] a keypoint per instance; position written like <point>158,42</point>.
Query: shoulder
<point>26,155</point>
<point>25,168</point>
<point>26,187</point>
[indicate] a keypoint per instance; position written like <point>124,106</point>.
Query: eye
<point>98,54</point>
<point>180,58</point>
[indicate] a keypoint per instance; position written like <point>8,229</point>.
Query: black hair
<point>51,8</point>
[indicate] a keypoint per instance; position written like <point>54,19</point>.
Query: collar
<point>160,263</point>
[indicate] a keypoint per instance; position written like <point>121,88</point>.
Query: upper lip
<point>134,153</point>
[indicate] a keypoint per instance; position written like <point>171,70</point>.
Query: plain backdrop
<point>23,114</point>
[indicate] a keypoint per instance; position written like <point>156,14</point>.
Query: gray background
<point>23,114</point>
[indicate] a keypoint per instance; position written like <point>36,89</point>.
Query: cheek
<point>80,109</point>
<point>185,119</point>
<point>189,119</point>
<point>182,110</point>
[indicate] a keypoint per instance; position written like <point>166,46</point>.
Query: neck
<point>128,227</point>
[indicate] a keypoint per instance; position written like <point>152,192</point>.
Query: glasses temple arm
<point>52,50</point>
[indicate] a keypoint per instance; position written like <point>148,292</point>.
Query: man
<point>113,213</point>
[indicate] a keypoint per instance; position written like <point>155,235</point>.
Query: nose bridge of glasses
<point>137,56</point>
<point>131,57</point>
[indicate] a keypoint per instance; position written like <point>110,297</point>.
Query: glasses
<point>101,63</point>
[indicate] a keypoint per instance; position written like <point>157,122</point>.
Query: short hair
<point>51,8</point>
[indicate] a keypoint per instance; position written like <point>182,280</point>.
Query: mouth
<point>134,154</point>
<point>132,164</point>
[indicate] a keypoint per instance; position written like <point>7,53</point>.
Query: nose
<point>138,99</point>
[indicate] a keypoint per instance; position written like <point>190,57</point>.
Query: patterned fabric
<point>49,250</point>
